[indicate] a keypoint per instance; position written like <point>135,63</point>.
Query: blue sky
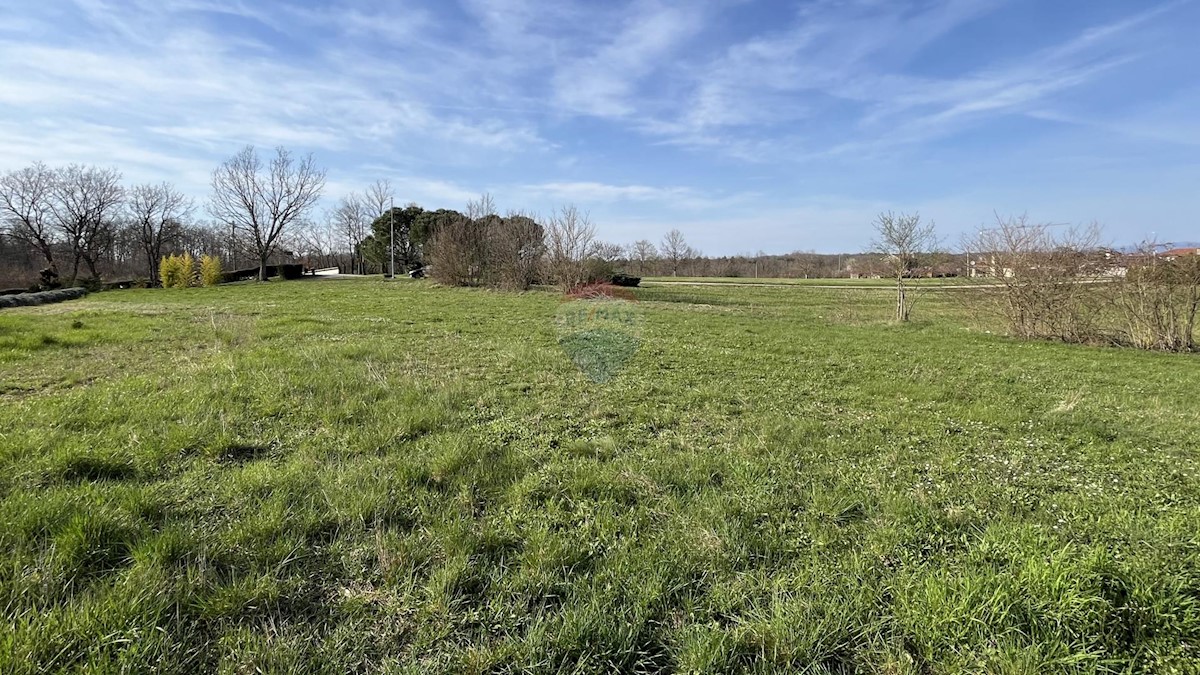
<point>749,125</point>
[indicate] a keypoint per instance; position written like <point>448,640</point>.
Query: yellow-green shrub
<point>189,271</point>
<point>168,271</point>
<point>177,271</point>
<point>210,270</point>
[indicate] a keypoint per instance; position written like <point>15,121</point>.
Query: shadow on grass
<point>240,453</point>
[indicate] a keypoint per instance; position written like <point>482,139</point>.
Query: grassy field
<point>339,476</point>
<point>792,281</point>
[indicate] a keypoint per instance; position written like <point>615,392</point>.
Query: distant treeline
<point>74,224</point>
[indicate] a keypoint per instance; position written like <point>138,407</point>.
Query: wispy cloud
<point>839,71</point>
<point>650,112</point>
<point>674,197</point>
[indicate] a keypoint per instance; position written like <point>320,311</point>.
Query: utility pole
<point>392,237</point>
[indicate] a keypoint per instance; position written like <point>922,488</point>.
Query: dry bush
<point>1038,279</point>
<point>516,245</point>
<point>457,253</point>
<point>1157,300</point>
<point>483,249</point>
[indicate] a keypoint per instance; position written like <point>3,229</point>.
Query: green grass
<point>338,476</point>
<point>792,281</point>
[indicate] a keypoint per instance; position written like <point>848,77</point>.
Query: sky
<point>750,125</point>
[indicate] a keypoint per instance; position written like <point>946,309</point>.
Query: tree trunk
<point>74,270</point>
<point>47,253</point>
<point>901,301</point>
<point>262,268</point>
<point>91,263</point>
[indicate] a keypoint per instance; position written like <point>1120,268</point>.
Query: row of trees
<point>74,219</point>
<point>79,218</point>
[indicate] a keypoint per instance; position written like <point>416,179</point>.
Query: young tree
<point>570,239</point>
<point>158,212</point>
<point>86,201</point>
<point>26,198</point>
<point>259,205</point>
<point>904,242</point>
<point>1157,297</point>
<point>675,250</point>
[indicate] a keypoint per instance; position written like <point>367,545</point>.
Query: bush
<point>48,280</point>
<point>190,277</point>
<point>42,298</point>
<point>177,271</point>
<point>1158,300</point>
<point>168,271</point>
<point>210,270</point>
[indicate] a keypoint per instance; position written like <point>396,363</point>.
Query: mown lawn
<point>340,476</point>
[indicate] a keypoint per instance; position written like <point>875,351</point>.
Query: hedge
<point>42,298</point>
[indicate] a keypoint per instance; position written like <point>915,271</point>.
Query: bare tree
<point>904,242</point>
<point>675,250</point>
<point>157,212</point>
<point>259,206</point>
<point>317,241</point>
<point>378,200</point>
<point>607,252</point>
<point>643,252</point>
<point>85,204</point>
<point>379,197</point>
<point>570,240</point>
<point>26,199</point>
<point>352,218</point>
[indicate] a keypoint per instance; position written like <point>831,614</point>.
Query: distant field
<point>743,281</point>
<point>351,475</point>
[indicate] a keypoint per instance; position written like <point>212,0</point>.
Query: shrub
<point>188,276</point>
<point>177,271</point>
<point>168,271</point>
<point>210,270</point>
<point>42,298</point>
<point>48,279</point>
<point>1158,300</point>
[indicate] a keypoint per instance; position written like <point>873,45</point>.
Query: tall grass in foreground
<point>330,476</point>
